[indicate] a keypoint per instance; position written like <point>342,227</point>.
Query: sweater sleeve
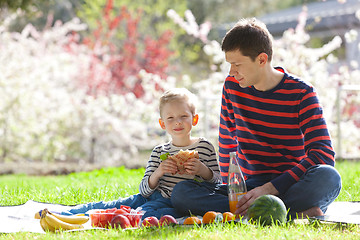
<point>152,165</point>
<point>227,134</point>
<point>317,142</point>
<point>210,160</point>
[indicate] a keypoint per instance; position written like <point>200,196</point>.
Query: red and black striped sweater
<point>280,132</point>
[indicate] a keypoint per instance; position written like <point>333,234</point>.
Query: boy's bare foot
<point>311,212</point>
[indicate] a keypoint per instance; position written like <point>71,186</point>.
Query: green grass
<point>103,184</point>
<point>112,183</point>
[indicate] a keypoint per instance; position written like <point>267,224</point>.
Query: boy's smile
<point>177,119</point>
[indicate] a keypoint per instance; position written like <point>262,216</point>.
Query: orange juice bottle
<point>236,183</point>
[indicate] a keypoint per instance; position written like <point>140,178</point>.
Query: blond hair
<point>178,94</point>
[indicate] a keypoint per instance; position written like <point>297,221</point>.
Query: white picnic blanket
<point>343,209</point>
<point>21,218</point>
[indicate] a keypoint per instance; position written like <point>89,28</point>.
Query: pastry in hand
<point>181,157</point>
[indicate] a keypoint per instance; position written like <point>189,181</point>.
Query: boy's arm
<point>211,162</point>
<point>227,132</point>
<point>154,179</point>
<point>317,142</point>
<point>206,173</point>
<point>166,166</point>
<point>155,169</point>
<point>194,166</point>
<point>153,163</point>
<point>207,166</point>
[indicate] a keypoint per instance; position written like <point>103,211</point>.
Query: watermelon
<point>267,210</point>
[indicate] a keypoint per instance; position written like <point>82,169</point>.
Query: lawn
<point>111,183</point>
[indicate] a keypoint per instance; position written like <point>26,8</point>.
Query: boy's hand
<point>194,166</point>
<point>245,202</point>
<point>168,166</point>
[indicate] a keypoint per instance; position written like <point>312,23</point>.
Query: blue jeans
<point>319,186</point>
<point>155,205</point>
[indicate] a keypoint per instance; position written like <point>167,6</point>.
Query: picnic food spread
<point>265,210</point>
<point>180,158</point>
<point>55,222</point>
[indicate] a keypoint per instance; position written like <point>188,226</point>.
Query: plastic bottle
<point>236,184</point>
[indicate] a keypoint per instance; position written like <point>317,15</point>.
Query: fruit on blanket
<point>192,220</point>
<point>59,224</point>
<point>103,217</point>
<point>51,223</point>
<point>120,221</point>
<point>181,157</point>
<point>228,216</point>
<point>167,220</point>
<point>150,222</point>
<point>44,225</point>
<point>100,218</point>
<point>267,210</point>
<point>209,217</point>
<point>74,219</point>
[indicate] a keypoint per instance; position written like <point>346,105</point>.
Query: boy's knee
<point>180,193</point>
<point>179,189</point>
<point>329,175</point>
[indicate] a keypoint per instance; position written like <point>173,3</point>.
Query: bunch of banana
<point>55,222</point>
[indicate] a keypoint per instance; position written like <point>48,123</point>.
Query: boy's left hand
<point>194,166</point>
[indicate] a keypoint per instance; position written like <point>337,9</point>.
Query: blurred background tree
<point>62,52</point>
<point>15,4</point>
<point>187,58</point>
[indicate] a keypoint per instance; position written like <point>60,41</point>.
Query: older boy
<point>274,122</point>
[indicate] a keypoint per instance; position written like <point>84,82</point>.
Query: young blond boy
<point>177,117</point>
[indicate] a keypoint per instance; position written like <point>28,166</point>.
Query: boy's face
<point>177,119</point>
<point>243,69</point>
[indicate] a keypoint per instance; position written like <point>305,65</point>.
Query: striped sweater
<point>280,132</point>
<point>207,155</point>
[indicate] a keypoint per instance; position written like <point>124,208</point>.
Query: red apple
<point>167,220</point>
<point>150,222</point>
<point>120,221</point>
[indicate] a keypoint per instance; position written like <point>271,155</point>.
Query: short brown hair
<point>250,36</point>
<point>179,94</point>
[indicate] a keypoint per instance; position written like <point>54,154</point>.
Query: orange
<point>192,220</point>
<point>209,217</point>
<point>228,216</point>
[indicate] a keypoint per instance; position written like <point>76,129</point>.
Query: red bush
<point>126,56</point>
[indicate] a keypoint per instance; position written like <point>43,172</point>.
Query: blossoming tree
<point>65,98</point>
<point>46,110</point>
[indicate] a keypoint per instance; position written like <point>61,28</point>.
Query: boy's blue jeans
<point>155,205</point>
<point>319,186</point>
